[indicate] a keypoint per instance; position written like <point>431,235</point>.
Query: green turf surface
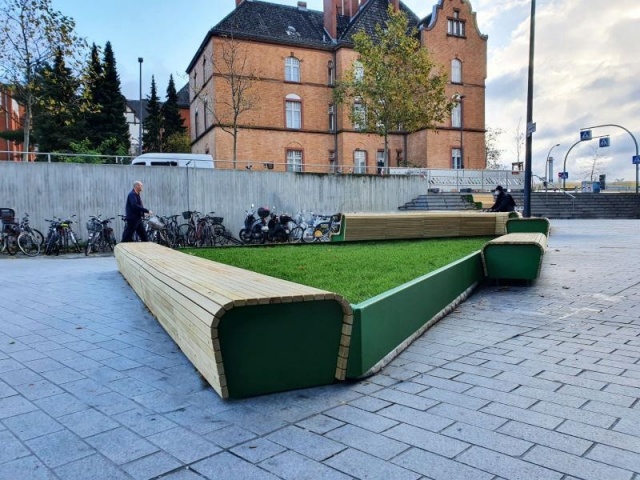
<point>357,271</point>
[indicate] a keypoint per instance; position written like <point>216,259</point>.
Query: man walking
<point>134,213</point>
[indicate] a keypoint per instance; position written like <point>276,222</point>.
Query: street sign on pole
<point>563,175</point>
<point>585,135</point>
<point>531,128</point>
<point>604,142</point>
<point>636,159</point>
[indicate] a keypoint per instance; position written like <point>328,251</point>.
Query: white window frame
<point>456,71</point>
<point>359,115</point>
<point>455,26</point>
<point>293,109</point>
<point>294,160</point>
<point>292,69</point>
<point>360,161</point>
<point>358,71</point>
<point>456,120</point>
<point>456,159</point>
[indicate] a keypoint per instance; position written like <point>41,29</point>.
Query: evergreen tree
<point>112,122</point>
<point>152,125</point>
<point>57,121</point>
<point>94,83</point>
<point>173,122</point>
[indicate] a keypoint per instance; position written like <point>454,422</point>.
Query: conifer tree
<point>173,123</point>
<point>57,116</point>
<point>94,83</point>
<point>152,125</point>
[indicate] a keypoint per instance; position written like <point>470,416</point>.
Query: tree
<point>152,125</point>
<point>31,34</point>
<point>237,95</point>
<point>177,143</point>
<point>110,120</point>
<point>388,101</point>
<point>492,151</point>
<point>57,118</point>
<point>591,170</point>
<point>93,93</point>
<point>519,138</point>
<point>173,122</point>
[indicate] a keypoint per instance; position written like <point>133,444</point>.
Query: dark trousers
<point>134,226</point>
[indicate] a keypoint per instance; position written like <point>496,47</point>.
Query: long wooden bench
<point>246,333</point>
<point>514,256</point>
<point>529,225</point>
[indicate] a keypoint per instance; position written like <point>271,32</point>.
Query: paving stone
<point>552,397</point>
<point>361,465</point>
<point>505,466</point>
<point>370,421</point>
<point>574,465</point>
<point>529,381</point>
<point>461,400</point>
<point>144,422</point>
<point>577,380</point>
<point>406,399</point>
<point>27,468</point>
<point>62,375</point>
<point>488,439</point>
<point>100,468</point>
<point>12,448</point>
<point>409,416</point>
<point>484,419</point>
<point>306,443</point>
<point>293,466</point>
<point>59,448</point>
<point>426,440</point>
<point>32,424</point>
<point>444,384</point>
<point>227,466</point>
<point>111,403</point>
<point>546,437</point>
<point>500,397</point>
<point>249,419</point>
<point>615,399</point>
<point>600,435</point>
<point>184,445</point>
<point>371,404</point>
<point>121,445</point>
<point>10,364</point>
<point>320,424</point>
<point>182,474</point>
<point>152,466</point>
<point>368,442</point>
<point>257,450</point>
<point>86,423</point>
<point>38,389</point>
<point>616,457</point>
<point>15,405</point>
<point>580,415</point>
<point>437,467</point>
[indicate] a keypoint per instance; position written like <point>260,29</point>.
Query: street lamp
<point>549,173</point>
<point>140,60</point>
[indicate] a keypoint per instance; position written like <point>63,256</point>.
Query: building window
<point>359,116</point>
<point>331,72</point>
<point>195,81</point>
<point>360,161</point>
<point>195,121</point>
<point>455,25</point>
<point>455,116</point>
<point>294,160</point>
<point>358,71</point>
<point>205,109</point>
<point>456,158</point>
<point>292,69</point>
<point>332,118</point>
<point>456,71</point>
<point>204,69</point>
<point>293,108</point>
<point>399,157</point>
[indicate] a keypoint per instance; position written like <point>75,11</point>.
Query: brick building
<point>11,113</point>
<point>295,56</point>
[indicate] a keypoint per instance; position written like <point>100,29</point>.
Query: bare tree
<point>519,138</point>
<point>492,151</point>
<point>31,34</point>
<point>592,169</point>
<point>237,94</point>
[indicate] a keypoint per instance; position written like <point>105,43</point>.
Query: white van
<point>192,160</point>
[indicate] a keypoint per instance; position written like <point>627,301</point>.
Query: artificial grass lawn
<point>357,271</point>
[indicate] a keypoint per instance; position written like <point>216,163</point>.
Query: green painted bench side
<point>384,322</point>
<point>278,347</point>
<point>515,256</point>
<point>528,225</point>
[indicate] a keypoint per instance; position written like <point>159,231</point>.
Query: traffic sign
<point>531,128</point>
<point>585,135</point>
<point>563,175</point>
<point>604,142</point>
<point>636,159</point>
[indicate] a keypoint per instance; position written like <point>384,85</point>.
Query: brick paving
<point>538,382</point>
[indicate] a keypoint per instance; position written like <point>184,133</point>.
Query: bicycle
<point>25,227</point>
<point>101,236</point>
<point>61,236</point>
<point>14,238</point>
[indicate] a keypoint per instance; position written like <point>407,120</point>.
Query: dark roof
<point>134,105</point>
<point>183,96</point>
<point>290,25</point>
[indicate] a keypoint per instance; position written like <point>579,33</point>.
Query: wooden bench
<point>514,256</point>
<point>529,225</point>
<point>246,333</point>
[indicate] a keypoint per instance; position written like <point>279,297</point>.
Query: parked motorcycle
<point>255,229</point>
<point>279,228</point>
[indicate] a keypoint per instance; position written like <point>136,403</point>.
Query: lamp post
<point>140,60</point>
<point>549,173</point>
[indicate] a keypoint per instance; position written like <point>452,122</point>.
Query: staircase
<point>549,204</point>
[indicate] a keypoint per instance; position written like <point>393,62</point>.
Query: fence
<point>61,189</point>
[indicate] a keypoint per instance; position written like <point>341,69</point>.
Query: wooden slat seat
<point>247,333</point>
<point>514,256</point>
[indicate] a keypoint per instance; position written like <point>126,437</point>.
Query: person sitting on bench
<point>504,201</point>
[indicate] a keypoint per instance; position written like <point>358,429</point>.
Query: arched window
<point>292,69</point>
<point>293,109</point>
<point>456,71</point>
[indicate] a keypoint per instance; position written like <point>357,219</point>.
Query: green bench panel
<point>515,256</point>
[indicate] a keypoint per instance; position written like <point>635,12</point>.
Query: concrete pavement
<point>538,382</point>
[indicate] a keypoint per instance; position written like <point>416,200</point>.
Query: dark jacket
<point>134,210</point>
<point>504,203</point>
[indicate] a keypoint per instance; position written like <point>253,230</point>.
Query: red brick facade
<point>264,141</point>
<point>11,113</point>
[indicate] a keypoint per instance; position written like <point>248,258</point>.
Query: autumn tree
<point>236,94</point>
<point>492,151</point>
<point>152,124</point>
<point>395,84</point>
<point>31,34</point>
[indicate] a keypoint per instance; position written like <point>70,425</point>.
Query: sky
<point>585,71</point>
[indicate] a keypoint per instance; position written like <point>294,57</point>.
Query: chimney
<point>238,2</point>
<point>396,5</point>
<point>330,20</point>
<point>302,6</point>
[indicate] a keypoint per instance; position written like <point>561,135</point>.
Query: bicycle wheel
<point>296,234</point>
<point>74,241</point>
<point>89,247</point>
<point>308,235</point>
<point>53,244</point>
<point>111,241</point>
<point>11,244</point>
<point>37,234</point>
<point>28,244</point>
